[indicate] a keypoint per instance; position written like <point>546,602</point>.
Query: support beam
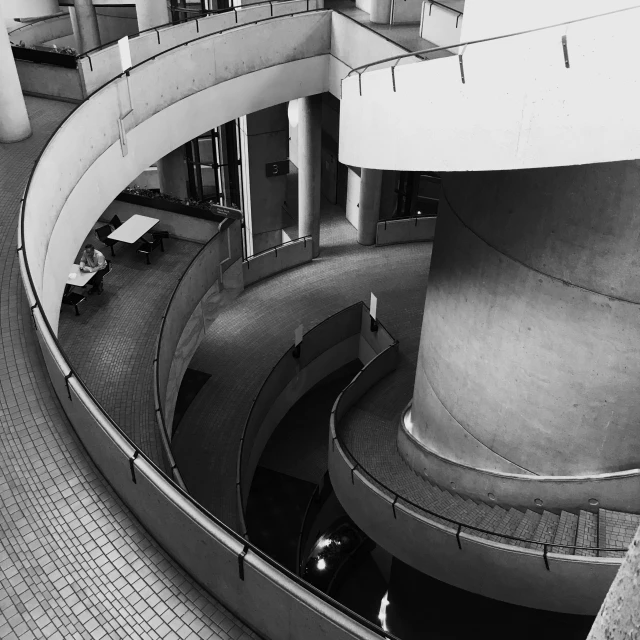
<point>309,147</point>
<point>14,120</point>
<point>172,174</point>
<point>369,211</point>
<point>85,25</point>
<point>152,13</point>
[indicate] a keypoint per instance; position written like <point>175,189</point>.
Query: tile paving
<point>112,343</point>
<point>74,562</point>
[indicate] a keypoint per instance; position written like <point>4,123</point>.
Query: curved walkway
<point>74,562</point>
<point>250,336</point>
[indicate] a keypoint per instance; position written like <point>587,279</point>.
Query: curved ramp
<point>73,559</point>
<point>508,103</point>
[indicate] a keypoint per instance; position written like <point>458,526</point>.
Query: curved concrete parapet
<point>456,553</point>
<point>616,491</point>
<point>42,30</point>
<point>103,145</point>
<point>507,103</point>
<point>212,281</point>
<point>330,345</point>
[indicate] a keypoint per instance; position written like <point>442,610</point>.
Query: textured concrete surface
<point>532,306</point>
<point>112,343</point>
<point>74,562</point>
<point>249,337</point>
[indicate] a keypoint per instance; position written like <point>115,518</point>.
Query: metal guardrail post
<point>66,384</point>
<point>544,555</point>
<point>458,536</point>
<point>241,556</point>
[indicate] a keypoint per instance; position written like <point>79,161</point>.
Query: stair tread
<point>545,530</point>
<point>616,529</point>
<point>587,533</point>
<point>565,533</point>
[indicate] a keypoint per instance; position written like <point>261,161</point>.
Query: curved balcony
<point>103,145</point>
<point>522,100</point>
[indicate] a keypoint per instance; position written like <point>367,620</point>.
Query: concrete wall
<point>276,260</point>
<point>12,9</point>
<point>264,139</point>
<point>532,307</point>
<point>440,25</point>
<point>573,584</point>
<point>487,18</point>
<point>101,66</point>
<point>211,282</point>
<point>407,230</point>
<point>406,11</point>
<point>618,492</point>
<point>519,106</point>
<point>179,226</point>
<point>42,31</point>
<point>49,81</point>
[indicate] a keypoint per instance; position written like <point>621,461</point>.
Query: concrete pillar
<point>380,11</point>
<point>619,616</point>
<point>14,121</point>
<point>172,174</point>
<point>85,25</point>
<point>369,211</point>
<point>530,347</point>
<point>309,150</point>
<point>152,13</point>
<point>264,139</point>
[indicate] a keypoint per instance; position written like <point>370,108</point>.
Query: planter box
<point>220,213</point>
<point>41,56</point>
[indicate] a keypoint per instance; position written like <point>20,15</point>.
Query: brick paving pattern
<point>74,562</point>
<point>112,343</point>
<point>617,530</point>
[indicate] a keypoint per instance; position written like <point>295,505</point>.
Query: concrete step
<point>491,522</point>
<point>566,533</point>
<point>546,529</point>
<point>587,533</point>
<point>527,527</point>
<point>616,529</point>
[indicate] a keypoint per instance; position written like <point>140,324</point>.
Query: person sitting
<point>93,261</point>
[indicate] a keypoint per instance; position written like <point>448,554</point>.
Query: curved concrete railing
<point>276,259</point>
<point>212,280</point>
<point>522,100</point>
<point>99,66</point>
<point>617,491</point>
<point>338,340</point>
<point>399,230</point>
<point>451,551</point>
<point>103,145</point>
<point>43,30</point>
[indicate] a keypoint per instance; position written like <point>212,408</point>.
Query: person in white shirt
<point>93,260</point>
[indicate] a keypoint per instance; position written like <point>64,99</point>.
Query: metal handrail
<point>457,523</point>
<point>31,290</point>
<point>159,411</point>
<point>444,6</point>
<point>278,246</point>
<point>359,70</point>
<point>239,493</point>
<point>203,14</point>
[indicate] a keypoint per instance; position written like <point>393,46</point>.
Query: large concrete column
<point>530,346</point>
<point>85,25</point>
<point>152,13</point>
<point>380,11</point>
<point>172,174</point>
<point>14,121</point>
<point>309,150</point>
<point>369,211</point>
<point>619,616</point>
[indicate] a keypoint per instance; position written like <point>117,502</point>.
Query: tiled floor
<point>250,336</point>
<point>112,343</point>
<point>74,562</point>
